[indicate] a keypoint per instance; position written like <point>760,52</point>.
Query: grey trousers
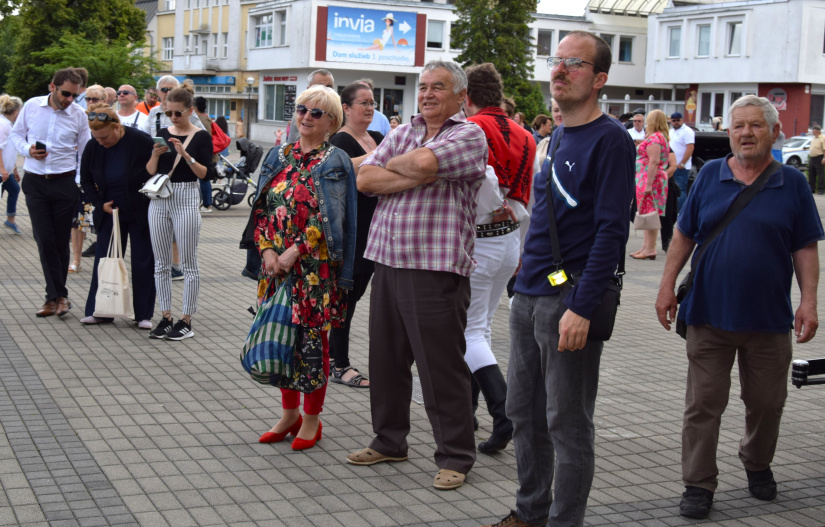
<point>551,396</point>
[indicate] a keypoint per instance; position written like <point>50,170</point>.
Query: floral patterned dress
<point>290,216</point>
<point>657,200</point>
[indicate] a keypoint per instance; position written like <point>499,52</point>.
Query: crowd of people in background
<point>437,221</point>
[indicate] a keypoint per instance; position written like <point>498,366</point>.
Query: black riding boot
<point>492,385</point>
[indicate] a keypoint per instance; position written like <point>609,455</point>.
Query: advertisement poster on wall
<point>370,36</point>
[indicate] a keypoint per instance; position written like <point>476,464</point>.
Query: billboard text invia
<point>370,36</point>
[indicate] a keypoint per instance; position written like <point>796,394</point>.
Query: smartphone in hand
<point>39,146</point>
<point>160,141</point>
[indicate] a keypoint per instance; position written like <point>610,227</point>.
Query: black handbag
<point>736,207</point>
<point>604,316</point>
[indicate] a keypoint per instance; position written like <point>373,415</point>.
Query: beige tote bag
<point>114,290</point>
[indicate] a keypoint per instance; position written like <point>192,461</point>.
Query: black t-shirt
<point>366,204</point>
<point>200,148</point>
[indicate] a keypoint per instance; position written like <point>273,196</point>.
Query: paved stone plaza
<point>103,426</point>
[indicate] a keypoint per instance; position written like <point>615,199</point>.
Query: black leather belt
<point>488,230</point>
<point>70,173</point>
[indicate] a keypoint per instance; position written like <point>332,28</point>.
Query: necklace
<point>365,141</point>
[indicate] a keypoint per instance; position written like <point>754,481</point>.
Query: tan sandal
<point>447,479</point>
<point>369,456</point>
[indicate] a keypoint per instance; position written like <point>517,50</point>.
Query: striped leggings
<point>177,218</point>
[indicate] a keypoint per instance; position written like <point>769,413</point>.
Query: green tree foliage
<point>108,64</point>
<point>9,30</point>
<point>498,31</point>
<point>109,26</point>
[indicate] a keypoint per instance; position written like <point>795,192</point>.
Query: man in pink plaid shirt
<point>427,175</point>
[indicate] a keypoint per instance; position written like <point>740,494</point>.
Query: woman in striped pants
<point>187,159</point>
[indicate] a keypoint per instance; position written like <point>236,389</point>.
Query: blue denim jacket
<point>338,199</point>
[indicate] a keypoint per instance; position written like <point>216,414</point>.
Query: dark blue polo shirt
<point>743,282</point>
<point>594,171</point>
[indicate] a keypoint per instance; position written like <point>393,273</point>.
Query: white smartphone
<point>161,141</point>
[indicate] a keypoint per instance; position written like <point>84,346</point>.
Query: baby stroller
<point>239,176</point>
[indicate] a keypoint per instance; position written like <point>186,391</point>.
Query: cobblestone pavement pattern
<point>103,426</point>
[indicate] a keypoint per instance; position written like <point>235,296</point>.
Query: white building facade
<point>717,53</point>
<point>288,39</point>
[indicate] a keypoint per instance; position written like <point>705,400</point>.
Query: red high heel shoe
<point>274,437</point>
<point>303,444</point>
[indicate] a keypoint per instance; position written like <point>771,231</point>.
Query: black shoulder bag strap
<point>157,123</point>
<point>744,198</point>
<point>554,234</point>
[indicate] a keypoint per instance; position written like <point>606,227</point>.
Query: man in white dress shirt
<point>49,185</point>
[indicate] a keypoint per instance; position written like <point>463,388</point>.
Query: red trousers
<point>313,402</point>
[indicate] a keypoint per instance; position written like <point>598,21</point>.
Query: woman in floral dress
<point>651,177</point>
<point>303,223</point>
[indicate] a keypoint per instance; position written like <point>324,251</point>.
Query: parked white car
<point>795,151</point>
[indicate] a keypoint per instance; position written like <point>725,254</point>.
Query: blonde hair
<point>328,100</point>
<point>657,120</point>
<point>9,104</point>
<point>96,90</point>
<point>102,107</point>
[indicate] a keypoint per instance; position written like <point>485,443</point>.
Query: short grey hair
<point>768,109</point>
<point>459,77</point>
<point>322,72</point>
<point>167,79</point>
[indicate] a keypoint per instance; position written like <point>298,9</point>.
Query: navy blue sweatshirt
<point>595,179</point>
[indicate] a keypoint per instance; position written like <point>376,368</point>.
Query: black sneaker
<point>761,484</point>
<point>181,331</point>
<point>90,251</point>
<point>696,503</point>
<point>162,329</point>
<point>177,275</point>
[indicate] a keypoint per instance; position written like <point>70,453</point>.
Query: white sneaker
<point>144,324</point>
<point>205,209</point>
<point>90,320</point>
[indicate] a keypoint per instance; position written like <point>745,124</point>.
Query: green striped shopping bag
<point>269,350</point>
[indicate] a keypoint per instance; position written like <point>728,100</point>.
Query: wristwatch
<point>191,161</point>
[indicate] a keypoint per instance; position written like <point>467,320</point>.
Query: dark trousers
<point>52,204</point>
<point>668,220</point>
<point>143,265</point>
<point>816,178</point>
<point>339,337</point>
<point>420,316</point>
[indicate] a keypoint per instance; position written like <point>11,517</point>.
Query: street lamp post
<point>249,81</point>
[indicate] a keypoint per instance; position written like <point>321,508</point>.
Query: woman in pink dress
<point>651,177</point>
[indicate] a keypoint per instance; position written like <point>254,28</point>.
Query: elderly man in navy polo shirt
<point>740,301</point>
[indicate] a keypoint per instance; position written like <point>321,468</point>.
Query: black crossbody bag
<point>736,207</point>
<point>604,316</point>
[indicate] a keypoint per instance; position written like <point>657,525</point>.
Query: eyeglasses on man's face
<point>125,92</point>
<point>571,64</point>
<point>68,94</point>
<point>315,113</point>
<point>166,89</point>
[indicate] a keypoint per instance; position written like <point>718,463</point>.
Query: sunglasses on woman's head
<point>170,113</point>
<point>103,117</point>
<point>315,113</point>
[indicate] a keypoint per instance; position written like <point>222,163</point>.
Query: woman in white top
<point>9,110</point>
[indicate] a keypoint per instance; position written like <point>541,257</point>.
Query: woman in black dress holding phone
<point>354,139</point>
